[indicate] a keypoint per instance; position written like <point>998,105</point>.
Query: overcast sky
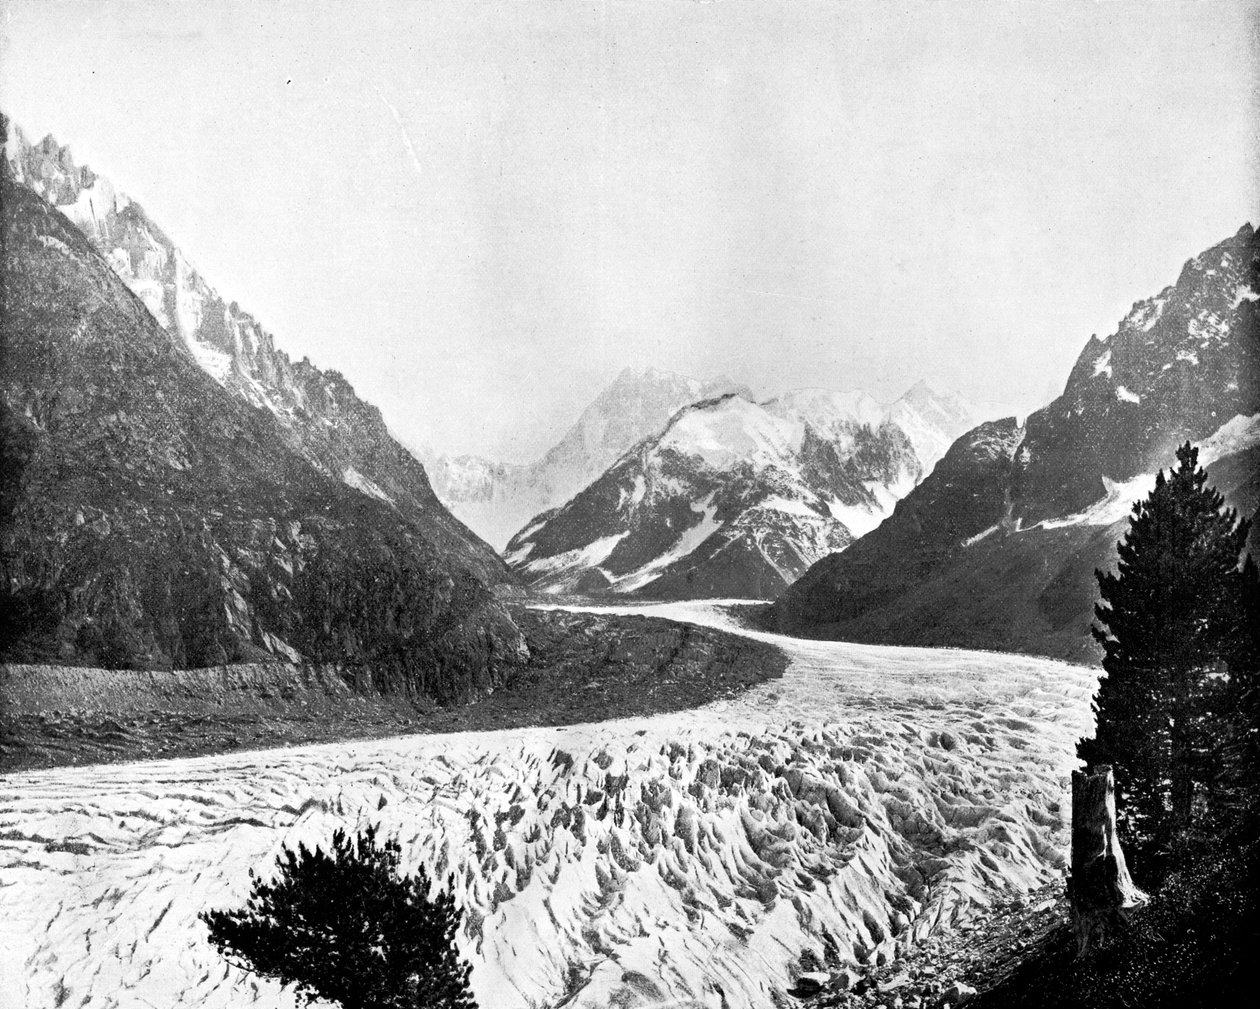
<point>481,212</point>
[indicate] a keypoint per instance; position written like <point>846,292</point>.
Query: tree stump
<point>1102,893</point>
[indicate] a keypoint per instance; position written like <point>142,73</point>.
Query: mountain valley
<point>727,700</point>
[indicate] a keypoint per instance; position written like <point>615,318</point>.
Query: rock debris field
<point>871,798</point>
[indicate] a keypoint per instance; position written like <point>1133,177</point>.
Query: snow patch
<point>733,432</point>
<point>353,478</point>
<point>1125,396</point>
<point>973,540</point>
<point>1235,435</point>
<point>782,504</point>
<point>214,362</point>
<point>1113,506</point>
<point>1207,326</point>
<point>1103,364</point>
<point>153,294</point>
<point>860,519</point>
<point>188,301</point>
<point>517,556</point>
<point>889,494</point>
<point>589,556</point>
<point>1244,293</point>
<point>634,495</point>
<point>49,242</point>
<point>1145,314</point>
<point>690,539</point>
<point>525,534</point>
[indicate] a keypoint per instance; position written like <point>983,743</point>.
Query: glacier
<point>871,797</point>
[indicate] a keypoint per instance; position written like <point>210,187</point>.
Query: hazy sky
<point>481,212</point>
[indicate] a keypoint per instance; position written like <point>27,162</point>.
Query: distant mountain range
<point>997,547</point>
<point>738,498</point>
<point>498,499</point>
<point>176,493</point>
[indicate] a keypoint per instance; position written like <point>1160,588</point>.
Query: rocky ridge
<point>152,518</point>
<point>998,547</point>
<point>317,411</point>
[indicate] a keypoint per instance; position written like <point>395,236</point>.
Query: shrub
<point>345,925</point>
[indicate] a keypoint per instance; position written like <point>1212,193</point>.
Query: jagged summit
<point>997,548</point>
<point>318,411</point>
<point>1178,366</point>
<point>154,519</point>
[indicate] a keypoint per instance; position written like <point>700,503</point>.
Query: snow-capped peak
<point>829,410</point>
<point>733,431</point>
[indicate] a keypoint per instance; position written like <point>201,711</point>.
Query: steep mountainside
<point>997,548</point>
<point>498,499</point>
<point>731,499</point>
<point>318,413</point>
<point>150,517</point>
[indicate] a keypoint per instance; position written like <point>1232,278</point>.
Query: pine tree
<point>344,925</point>
<point>1168,626</point>
<point>1238,780</point>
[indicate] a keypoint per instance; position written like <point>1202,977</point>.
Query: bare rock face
<point>1180,365</point>
<point>153,517</point>
<point>997,548</point>
<point>317,412</point>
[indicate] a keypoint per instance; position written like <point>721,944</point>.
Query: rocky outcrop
<point>152,517</point>
<point>317,412</point>
<point>1179,366</point>
<point>998,547</point>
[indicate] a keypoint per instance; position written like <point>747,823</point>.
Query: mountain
<point>318,413</point>
<point>733,498</point>
<point>736,498</point>
<point>931,420</point>
<point>498,499</point>
<point>997,547</point>
<point>151,517</point>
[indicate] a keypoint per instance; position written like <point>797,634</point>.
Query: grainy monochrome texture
<point>625,505</point>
